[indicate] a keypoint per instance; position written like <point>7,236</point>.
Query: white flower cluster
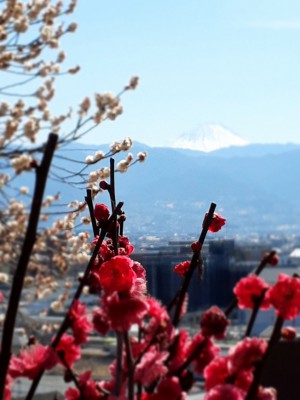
<point>108,106</point>
<point>31,128</point>
<point>24,190</point>
<point>49,200</point>
<point>46,91</point>
<point>22,163</point>
<point>12,228</point>
<point>79,205</point>
<point>84,106</point>
<point>92,159</point>
<point>94,176</point>
<point>123,165</point>
<point>59,304</point>
<point>125,145</point>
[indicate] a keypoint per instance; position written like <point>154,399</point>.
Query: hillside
<point>254,186</point>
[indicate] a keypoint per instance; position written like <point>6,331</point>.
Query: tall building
<point>225,262</point>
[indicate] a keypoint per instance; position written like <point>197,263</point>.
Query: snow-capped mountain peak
<point>208,138</point>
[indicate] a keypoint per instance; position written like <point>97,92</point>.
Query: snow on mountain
<point>208,138</point>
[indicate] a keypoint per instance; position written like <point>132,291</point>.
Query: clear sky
<point>230,62</point>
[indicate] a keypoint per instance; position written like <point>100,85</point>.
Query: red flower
<point>216,223</point>
<point>31,361</point>
<point>217,373</point>
<point>125,247</point>
<point>179,353</point>
<point>250,288</point>
<point>122,313</point>
<point>225,392</point>
<point>213,323</point>
<point>88,389</point>
<point>100,321</point>
<point>204,351</point>
<point>151,366</point>
<point>72,394</point>
<point>139,287</point>
<point>101,212</point>
<point>168,388</point>
<point>117,274</point>
<point>105,251</point>
<point>182,268</point>
<point>285,296</point>
<point>159,325</point>
<point>68,349</point>
<point>80,324</point>
<point>156,309</point>
<point>288,333</point>
<point>247,353</point>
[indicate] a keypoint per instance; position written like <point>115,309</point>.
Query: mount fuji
<point>208,138</point>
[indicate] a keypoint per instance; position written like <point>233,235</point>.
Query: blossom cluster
<point>163,361</point>
<point>283,296</point>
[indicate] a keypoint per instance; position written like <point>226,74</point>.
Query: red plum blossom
<point>249,289</point>
<point>285,296</point>
<point>216,223</point>
<point>117,274</point>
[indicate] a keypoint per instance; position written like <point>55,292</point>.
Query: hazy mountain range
<point>255,186</point>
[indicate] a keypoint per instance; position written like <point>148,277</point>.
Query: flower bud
<point>104,185</point>
<point>182,268</point>
<point>213,323</point>
<point>288,333</point>
<point>274,260</point>
<point>101,212</point>
<point>122,218</point>
<point>196,247</point>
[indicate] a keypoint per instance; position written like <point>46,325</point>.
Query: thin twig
<point>257,302</point>
<point>194,262</point>
<point>119,358</point>
<point>130,366</point>
<point>112,194</point>
<point>89,202</point>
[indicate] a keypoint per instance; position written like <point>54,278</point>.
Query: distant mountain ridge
<point>254,186</point>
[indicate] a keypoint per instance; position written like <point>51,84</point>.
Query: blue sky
<point>230,62</point>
